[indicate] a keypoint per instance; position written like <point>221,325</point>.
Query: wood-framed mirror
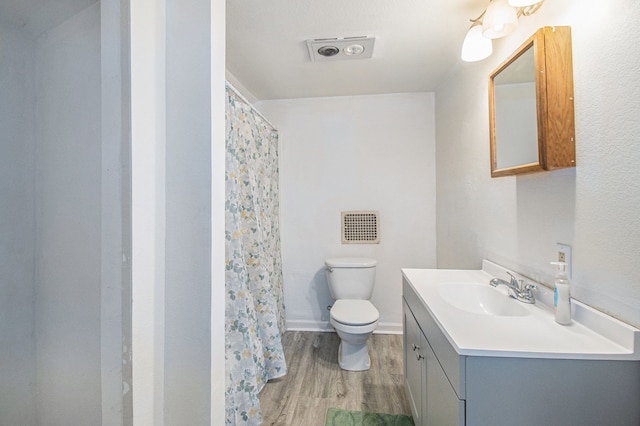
<point>531,112</point>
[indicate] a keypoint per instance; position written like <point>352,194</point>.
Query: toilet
<point>351,281</point>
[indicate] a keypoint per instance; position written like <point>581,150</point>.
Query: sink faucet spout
<point>517,289</point>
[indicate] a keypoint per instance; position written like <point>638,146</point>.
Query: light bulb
<point>475,47</point>
<point>354,49</point>
<point>499,20</point>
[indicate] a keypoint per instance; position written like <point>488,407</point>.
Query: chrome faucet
<point>517,289</point>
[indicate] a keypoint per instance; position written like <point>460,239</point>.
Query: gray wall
<point>517,221</point>
<point>68,222</point>
<point>17,232</point>
<point>64,232</point>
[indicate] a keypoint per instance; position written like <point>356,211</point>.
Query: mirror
<point>531,118</point>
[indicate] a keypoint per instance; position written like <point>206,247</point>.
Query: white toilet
<point>351,281</point>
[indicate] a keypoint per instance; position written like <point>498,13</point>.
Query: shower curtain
<point>254,305</point>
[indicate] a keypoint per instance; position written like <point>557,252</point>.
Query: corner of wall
<point>241,88</point>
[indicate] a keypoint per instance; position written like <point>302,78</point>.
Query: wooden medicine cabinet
<point>531,116</point>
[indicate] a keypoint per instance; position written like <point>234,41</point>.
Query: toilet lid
<point>350,262</point>
<point>354,312</point>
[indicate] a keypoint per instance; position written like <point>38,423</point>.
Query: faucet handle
<point>515,282</point>
<point>528,293</point>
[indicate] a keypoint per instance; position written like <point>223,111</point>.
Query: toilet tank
<point>350,277</point>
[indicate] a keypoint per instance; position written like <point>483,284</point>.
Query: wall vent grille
<point>360,228</point>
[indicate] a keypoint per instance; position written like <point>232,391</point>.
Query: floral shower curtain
<point>254,305</point>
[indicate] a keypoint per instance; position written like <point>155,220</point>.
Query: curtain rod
<point>237,93</point>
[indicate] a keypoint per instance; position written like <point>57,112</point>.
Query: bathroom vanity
<point>474,356</point>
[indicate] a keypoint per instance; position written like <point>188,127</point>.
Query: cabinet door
<point>443,408</point>
<point>413,365</point>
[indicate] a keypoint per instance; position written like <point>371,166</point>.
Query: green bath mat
<point>336,417</point>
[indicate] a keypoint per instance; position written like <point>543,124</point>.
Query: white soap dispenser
<point>562,294</point>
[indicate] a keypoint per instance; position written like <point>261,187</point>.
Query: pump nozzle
<point>561,267</point>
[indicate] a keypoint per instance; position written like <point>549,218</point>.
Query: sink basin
<point>478,298</point>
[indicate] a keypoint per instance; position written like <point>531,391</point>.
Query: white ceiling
<point>37,16</point>
<point>417,44</point>
<point>417,41</point>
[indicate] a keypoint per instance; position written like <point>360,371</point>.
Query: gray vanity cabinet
<point>414,368</point>
<point>446,388</point>
<point>432,398</point>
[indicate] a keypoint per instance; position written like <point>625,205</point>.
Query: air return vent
<point>360,228</point>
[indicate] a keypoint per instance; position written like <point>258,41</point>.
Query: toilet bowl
<point>354,321</point>
<point>353,316</point>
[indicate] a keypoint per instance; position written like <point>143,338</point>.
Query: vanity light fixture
<point>523,3</point>
<point>499,19</point>
<point>475,47</point>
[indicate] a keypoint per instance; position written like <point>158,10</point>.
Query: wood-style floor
<point>315,382</point>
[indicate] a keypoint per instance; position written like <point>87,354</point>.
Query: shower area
<point>63,214</point>
<point>255,317</point>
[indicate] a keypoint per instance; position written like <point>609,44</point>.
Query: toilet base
<point>353,357</point>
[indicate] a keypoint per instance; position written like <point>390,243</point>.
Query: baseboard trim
<point>325,326</point>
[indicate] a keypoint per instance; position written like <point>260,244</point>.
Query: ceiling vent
<point>340,49</point>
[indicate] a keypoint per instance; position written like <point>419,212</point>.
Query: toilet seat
<point>354,312</point>
<point>362,329</point>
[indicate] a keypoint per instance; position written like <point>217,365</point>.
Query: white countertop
<point>591,335</point>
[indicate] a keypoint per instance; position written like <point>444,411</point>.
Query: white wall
<point>218,199</point>
<point>354,153</point>
<point>178,211</point>
<point>188,214</point>
<point>516,221</point>
<point>148,175</point>
<point>68,221</point>
<point>17,229</point>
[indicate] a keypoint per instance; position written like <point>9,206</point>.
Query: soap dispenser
<point>562,294</point>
